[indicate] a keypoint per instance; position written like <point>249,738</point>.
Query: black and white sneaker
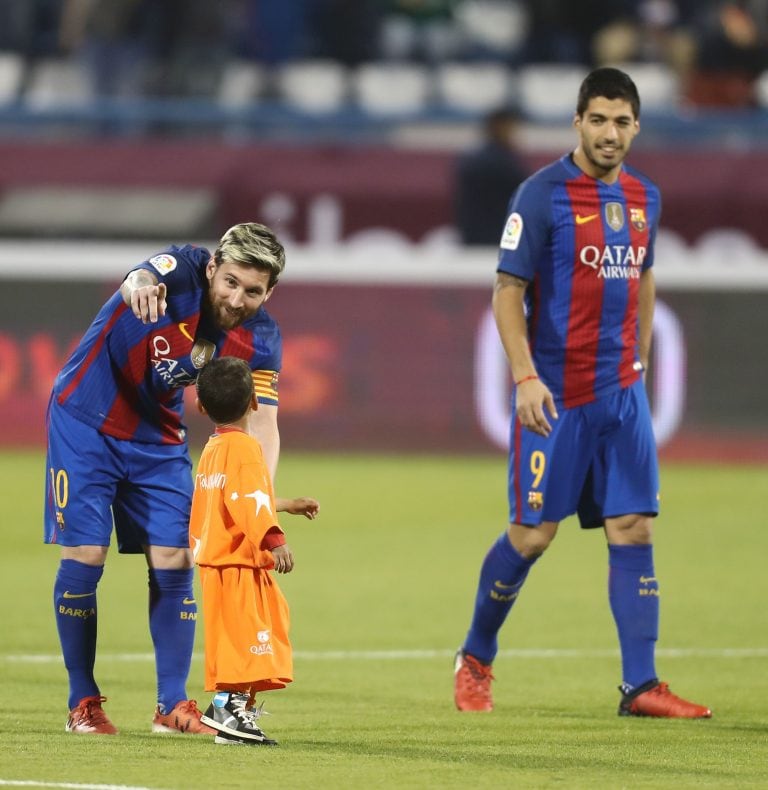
<point>235,721</point>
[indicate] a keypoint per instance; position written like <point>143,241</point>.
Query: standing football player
<point>573,302</point>
<point>118,454</point>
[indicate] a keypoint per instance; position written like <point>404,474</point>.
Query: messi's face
<point>235,292</point>
<point>606,130</point>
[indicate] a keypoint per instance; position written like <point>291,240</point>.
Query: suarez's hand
<point>531,398</point>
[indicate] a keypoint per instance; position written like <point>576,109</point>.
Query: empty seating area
<point>542,92</point>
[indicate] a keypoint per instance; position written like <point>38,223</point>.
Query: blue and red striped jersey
<point>126,378</point>
<point>582,245</point>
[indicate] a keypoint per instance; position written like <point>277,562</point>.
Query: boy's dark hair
<point>611,84</point>
<point>225,389</point>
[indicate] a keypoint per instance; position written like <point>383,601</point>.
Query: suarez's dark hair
<point>611,84</point>
<point>225,389</point>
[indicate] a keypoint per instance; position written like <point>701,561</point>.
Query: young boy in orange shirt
<point>235,540</point>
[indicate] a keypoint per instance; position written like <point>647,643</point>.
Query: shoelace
<point>249,715</point>
<point>92,713</point>
<point>478,675</point>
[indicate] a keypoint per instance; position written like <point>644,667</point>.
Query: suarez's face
<point>606,130</point>
<point>235,292</point>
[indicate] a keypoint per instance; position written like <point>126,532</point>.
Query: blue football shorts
<point>599,462</point>
<point>96,481</point>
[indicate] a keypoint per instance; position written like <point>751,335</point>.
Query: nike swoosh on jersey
<point>188,601</point>
<point>183,330</point>
<point>588,218</point>
<point>503,586</point>
<point>68,594</point>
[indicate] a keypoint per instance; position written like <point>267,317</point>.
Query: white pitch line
<point>75,785</point>
<point>410,655</point>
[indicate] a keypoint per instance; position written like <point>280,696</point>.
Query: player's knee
<point>531,542</point>
<point>634,530</point>
<point>88,555</point>
<point>169,557</point>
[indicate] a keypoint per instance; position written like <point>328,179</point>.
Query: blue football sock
<point>74,603</point>
<point>502,575</point>
<point>633,593</point>
<point>172,616</point>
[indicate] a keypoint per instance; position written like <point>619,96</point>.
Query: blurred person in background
<point>486,177</point>
<point>420,30</point>
<point>732,52</point>
<point>347,31</point>
<point>651,31</point>
<point>141,48</point>
<point>118,454</point>
<point>573,302</point>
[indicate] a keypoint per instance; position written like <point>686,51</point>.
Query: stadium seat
<point>548,91</point>
<point>493,26</point>
<point>241,84</point>
<point>318,86</point>
<point>761,90</point>
<point>392,88</point>
<point>11,72</point>
<point>57,82</point>
<point>474,87</point>
<point>657,84</point>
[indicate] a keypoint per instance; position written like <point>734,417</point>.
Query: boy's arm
<point>301,506</point>
<point>283,557</point>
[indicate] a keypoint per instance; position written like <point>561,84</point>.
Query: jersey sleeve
<point>178,267</point>
<point>655,196</point>
<point>526,231</point>
<point>250,501</point>
<point>265,386</point>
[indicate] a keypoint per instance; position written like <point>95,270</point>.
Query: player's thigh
<point>626,470</point>
<point>546,474</point>
<point>82,476</point>
<point>152,505</point>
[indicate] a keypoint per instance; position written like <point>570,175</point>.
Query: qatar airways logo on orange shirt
<point>614,261</point>
<point>207,482</point>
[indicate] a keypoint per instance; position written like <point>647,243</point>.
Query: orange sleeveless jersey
<point>245,615</point>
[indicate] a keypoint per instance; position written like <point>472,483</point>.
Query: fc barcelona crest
<point>637,218</point>
<point>614,215</point>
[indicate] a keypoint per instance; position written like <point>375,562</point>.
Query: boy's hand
<point>283,557</point>
<point>301,506</point>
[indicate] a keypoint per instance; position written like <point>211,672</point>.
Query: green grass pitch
<point>381,597</point>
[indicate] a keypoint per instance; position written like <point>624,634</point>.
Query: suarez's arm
<point>532,394</point>
<point>646,304</point>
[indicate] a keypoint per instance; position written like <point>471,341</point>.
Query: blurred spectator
<point>347,31</point>
<point>113,39</point>
<point>422,30</point>
<point>732,53</point>
<point>147,48</point>
<point>486,178</point>
<point>29,27</point>
<point>657,31</point>
<point>273,31</point>
<point>560,31</point>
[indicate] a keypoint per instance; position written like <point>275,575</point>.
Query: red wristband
<point>526,378</point>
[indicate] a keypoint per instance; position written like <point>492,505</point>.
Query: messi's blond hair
<point>254,245</point>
